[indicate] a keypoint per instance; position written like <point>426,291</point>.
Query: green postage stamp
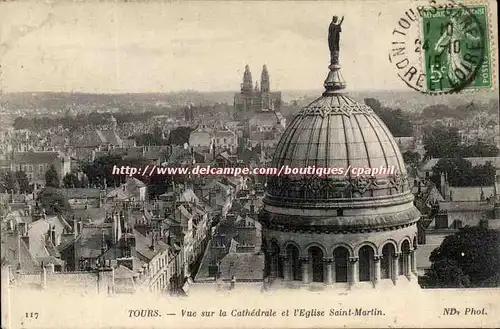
<point>444,47</point>
<point>456,48</point>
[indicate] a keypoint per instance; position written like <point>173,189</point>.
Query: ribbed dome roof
<point>337,132</point>
<point>334,131</point>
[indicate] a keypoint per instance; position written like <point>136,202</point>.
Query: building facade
<point>252,100</point>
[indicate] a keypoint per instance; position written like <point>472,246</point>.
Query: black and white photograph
<point>249,164</point>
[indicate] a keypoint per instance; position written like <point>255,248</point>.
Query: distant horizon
<point>169,47</point>
<point>346,91</point>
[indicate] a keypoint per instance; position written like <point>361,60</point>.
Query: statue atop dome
<point>334,81</point>
<point>334,39</point>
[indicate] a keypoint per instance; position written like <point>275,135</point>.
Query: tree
<point>179,135</point>
<point>410,157</point>
<point>397,121</point>
<point>460,172</point>
<point>373,103</point>
<point>52,177</point>
<point>101,170</point>
<point>53,201</point>
<point>483,175</point>
<point>23,181</point>
<point>479,149</point>
<point>71,180</point>
<point>9,182</point>
<point>442,142</point>
<point>469,258</point>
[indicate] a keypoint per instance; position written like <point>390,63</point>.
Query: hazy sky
<point>161,46</point>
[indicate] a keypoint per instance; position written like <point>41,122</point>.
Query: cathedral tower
<point>264,80</point>
<point>247,85</point>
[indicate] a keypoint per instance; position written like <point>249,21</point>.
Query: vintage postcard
<point>249,164</point>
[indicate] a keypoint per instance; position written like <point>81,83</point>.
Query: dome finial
<point>334,80</point>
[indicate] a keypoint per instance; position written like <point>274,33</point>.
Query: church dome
<point>334,131</point>
<point>340,227</point>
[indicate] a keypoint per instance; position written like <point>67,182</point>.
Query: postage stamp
<point>450,51</point>
<point>456,47</point>
<point>249,164</point>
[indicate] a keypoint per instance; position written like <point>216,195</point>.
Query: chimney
<point>22,228</point>
<point>75,227</point>
<point>49,233</point>
<point>153,242</point>
<point>26,240</point>
<point>103,242</point>
<point>442,183</point>
<point>53,236</point>
<point>80,227</point>
<point>115,227</point>
<point>212,199</point>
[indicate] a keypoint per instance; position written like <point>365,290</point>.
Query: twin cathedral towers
<point>252,100</point>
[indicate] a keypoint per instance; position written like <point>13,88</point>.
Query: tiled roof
<point>188,196</point>
<point>5,163</point>
<point>96,215</point>
<point>37,231</point>
<point>50,260</point>
<point>81,193</point>
<point>495,161</point>
<point>35,157</point>
<point>119,194</point>
<point>111,137</point>
<point>134,182</point>
<point>226,133</point>
<point>143,244</point>
<point>14,255</point>
<point>122,272</point>
<point>199,138</point>
<point>471,193</point>
<point>66,241</point>
<point>51,249</point>
<point>233,245</point>
<point>90,240</point>
<point>423,252</point>
<point>268,117</point>
<point>244,266</point>
<point>452,206</point>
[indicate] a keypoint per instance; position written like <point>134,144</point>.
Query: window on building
<point>441,222</point>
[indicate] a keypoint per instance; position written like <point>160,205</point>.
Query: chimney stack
<point>53,236</point>
<point>26,240</point>
<point>75,227</point>
<point>442,183</point>
<point>153,236</point>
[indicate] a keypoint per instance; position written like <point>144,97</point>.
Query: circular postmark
<point>442,48</point>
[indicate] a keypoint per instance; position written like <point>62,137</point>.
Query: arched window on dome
<point>366,263</point>
<point>293,254</point>
<point>386,268</point>
<point>316,257</point>
<point>341,256</point>
<point>275,266</point>
<point>404,259</point>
